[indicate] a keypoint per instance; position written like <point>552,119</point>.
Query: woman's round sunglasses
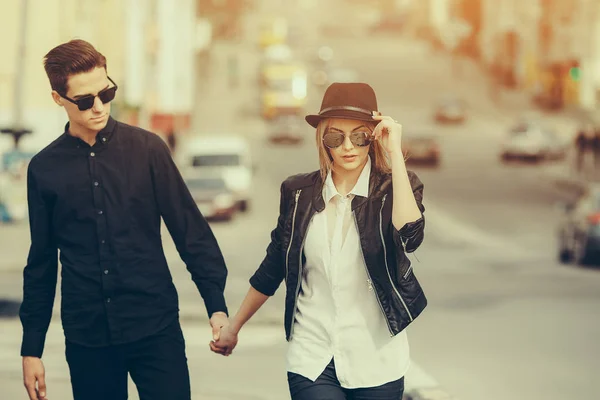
<point>333,140</point>
<point>86,102</point>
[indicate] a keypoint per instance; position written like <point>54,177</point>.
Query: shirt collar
<point>361,188</point>
<point>103,136</point>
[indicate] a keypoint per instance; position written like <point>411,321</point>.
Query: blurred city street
<point>506,319</point>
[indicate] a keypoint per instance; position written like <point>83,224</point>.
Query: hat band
<point>346,108</point>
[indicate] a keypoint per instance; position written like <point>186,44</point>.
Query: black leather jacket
<point>384,248</point>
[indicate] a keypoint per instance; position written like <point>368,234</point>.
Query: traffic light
<point>575,71</point>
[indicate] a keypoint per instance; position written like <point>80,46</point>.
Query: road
<point>505,320</point>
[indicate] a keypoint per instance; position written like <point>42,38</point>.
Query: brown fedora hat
<point>347,100</point>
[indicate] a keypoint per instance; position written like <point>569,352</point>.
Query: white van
<point>226,155</point>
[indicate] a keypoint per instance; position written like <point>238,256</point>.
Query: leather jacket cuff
<point>409,233</point>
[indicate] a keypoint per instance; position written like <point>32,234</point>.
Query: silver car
<point>533,141</point>
<point>211,195</point>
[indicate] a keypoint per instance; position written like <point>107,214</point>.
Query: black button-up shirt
<point>101,206</point>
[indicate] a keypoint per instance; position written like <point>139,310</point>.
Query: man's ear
<point>57,99</point>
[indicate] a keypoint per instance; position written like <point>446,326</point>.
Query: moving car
<point>212,196</point>
<point>450,109</point>
<point>287,129</point>
<point>531,140</point>
<point>579,229</point>
<point>226,155</point>
<point>273,55</point>
<point>285,89</point>
<point>421,147</point>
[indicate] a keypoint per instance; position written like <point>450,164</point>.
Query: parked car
<point>579,229</point>
<point>212,196</point>
<point>450,109</point>
<point>531,140</point>
<point>225,155</point>
<point>287,129</point>
<point>421,147</point>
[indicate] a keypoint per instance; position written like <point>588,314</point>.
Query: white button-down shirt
<point>338,314</point>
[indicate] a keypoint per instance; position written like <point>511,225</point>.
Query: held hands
<point>389,132</point>
<point>226,341</point>
<point>224,336</point>
<point>34,378</point>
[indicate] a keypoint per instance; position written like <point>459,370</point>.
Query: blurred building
<point>549,48</point>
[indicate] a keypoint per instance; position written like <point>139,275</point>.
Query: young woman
<point>340,245</point>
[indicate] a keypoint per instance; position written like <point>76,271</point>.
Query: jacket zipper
<point>387,269</point>
<point>297,286</point>
<point>299,280</point>
<point>287,254</point>
<point>408,271</point>
<point>370,281</point>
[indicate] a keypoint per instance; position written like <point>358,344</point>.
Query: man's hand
<point>34,378</point>
<point>227,341</point>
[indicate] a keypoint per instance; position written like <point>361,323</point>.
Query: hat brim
<point>314,119</point>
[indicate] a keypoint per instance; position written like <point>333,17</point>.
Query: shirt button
<point>108,300</point>
<point>104,139</point>
<point>92,154</point>
<point>105,272</point>
<point>100,212</point>
<point>96,183</point>
<point>103,241</point>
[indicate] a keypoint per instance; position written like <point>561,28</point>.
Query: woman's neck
<point>345,180</point>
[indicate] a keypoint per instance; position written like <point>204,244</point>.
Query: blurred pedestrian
<point>97,194</point>
<point>341,245</point>
<point>596,147</point>
<point>583,146</point>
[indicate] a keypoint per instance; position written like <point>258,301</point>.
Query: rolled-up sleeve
<point>191,233</point>
<point>411,235</point>
<point>271,271</point>
<point>40,273</point>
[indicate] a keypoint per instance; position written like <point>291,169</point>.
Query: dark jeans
<point>157,364</point>
<point>327,387</point>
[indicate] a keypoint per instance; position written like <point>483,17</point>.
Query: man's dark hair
<point>73,57</point>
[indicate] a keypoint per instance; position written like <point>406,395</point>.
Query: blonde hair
<point>380,160</point>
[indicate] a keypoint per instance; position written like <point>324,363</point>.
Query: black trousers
<point>327,387</point>
<point>157,365</point>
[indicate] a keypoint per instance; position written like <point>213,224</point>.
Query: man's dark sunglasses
<point>86,102</point>
<point>335,139</point>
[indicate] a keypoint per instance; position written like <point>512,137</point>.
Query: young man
<point>97,194</point>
